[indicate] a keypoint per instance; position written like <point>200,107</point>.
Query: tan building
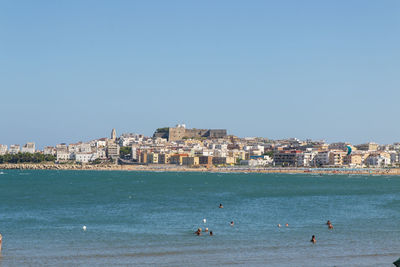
<point>242,155</point>
<point>142,157</point>
<point>177,158</point>
<point>113,135</point>
<point>180,132</point>
<point>336,158</point>
<point>230,160</point>
<point>353,160</point>
<point>112,151</point>
<point>177,133</point>
<point>223,160</point>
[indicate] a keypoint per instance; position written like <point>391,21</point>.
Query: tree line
<point>26,158</point>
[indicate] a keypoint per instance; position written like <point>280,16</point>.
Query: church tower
<point>113,135</point>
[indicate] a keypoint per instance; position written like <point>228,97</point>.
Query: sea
<point>128,218</point>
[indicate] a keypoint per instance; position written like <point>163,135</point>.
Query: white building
<point>73,148</point>
<point>255,162</point>
<point>218,153</point>
<point>49,150</point>
<point>65,155</point>
<point>101,153</point>
<point>207,152</point>
<point>377,161</point>
<point>134,153</point>
<point>223,147</point>
<point>62,146</point>
<point>101,142</point>
<point>128,139</point>
<point>306,159</point>
<point>86,157</point>
<point>3,149</point>
<point>322,158</point>
<point>85,148</point>
<point>28,148</point>
<point>14,149</point>
<point>80,148</point>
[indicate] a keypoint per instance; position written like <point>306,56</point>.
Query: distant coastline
<point>169,168</point>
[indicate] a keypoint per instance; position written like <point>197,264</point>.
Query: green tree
<point>125,150</point>
<point>96,161</point>
<point>162,130</point>
<point>26,158</point>
<point>49,158</point>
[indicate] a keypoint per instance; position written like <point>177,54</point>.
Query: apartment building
<point>190,161</point>
<point>3,149</point>
<point>177,158</point>
<point>336,158</point>
<point>14,149</point>
<point>287,157</point>
<point>49,150</point>
<point>164,158</point>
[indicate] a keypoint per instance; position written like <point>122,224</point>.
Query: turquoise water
<point>148,219</point>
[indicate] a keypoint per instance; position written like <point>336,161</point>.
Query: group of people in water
<point>330,226</point>
<point>313,239</point>
<point>199,230</point>
<point>279,225</point>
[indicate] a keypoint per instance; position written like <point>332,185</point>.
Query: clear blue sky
<point>73,70</point>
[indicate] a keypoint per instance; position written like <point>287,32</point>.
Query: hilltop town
<point>206,148</point>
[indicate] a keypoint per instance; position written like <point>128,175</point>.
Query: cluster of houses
<point>261,152</point>
<point>214,147</point>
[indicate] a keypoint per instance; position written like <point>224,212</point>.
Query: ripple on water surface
<point>144,218</point>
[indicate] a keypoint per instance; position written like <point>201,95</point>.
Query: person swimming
<point>313,240</point>
<point>287,225</point>
<point>220,206</point>
<point>330,226</point>
<point>211,233</point>
<point>279,225</point>
<point>328,222</point>
<point>206,230</point>
<point>198,232</point>
<point>232,223</point>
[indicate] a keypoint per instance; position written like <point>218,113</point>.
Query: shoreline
<point>176,168</point>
